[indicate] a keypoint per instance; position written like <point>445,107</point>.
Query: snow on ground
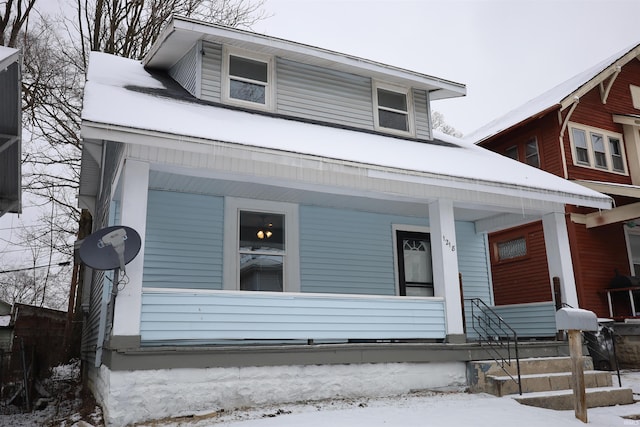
<point>433,409</point>
<point>427,408</point>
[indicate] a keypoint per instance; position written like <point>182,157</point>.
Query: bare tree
<point>14,15</point>
<point>54,64</point>
<point>438,123</point>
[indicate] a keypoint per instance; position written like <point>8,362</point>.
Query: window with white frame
<point>597,148</point>
<point>260,246</point>
<point>247,79</point>
<point>393,109</point>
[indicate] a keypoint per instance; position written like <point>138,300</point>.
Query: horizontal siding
<point>348,252</point>
<point>422,121</point>
<point>261,315</point>
<point>183,244</point>
<point>211,72</point>
<point>185,70</point>
<point>530,320</point>
<point>317,93</point>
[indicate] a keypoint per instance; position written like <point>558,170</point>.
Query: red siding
<point>521,280</point>
<point>597,253</point>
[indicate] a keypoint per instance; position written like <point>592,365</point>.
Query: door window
<point>414,264</point>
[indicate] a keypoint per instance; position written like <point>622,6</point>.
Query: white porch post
<point>445,266</point>
<point>556,241</point>
<point>135,186</point>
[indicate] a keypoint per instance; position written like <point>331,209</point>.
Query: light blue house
<point>305,232</point>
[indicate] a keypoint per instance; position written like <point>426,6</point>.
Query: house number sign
<point>448,243</point>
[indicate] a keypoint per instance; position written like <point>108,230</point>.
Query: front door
<point>414,264</point>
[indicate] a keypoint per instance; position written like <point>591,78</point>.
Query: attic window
<point>393,109</point>
<point>247,80</point>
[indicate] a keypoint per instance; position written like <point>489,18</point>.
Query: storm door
<point>415,274</point>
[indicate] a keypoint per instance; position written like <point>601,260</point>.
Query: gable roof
<point>121,95</point>
<point>182,33</point>
<point>559,97</point>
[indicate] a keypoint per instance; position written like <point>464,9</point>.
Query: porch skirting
<point>130,396</point>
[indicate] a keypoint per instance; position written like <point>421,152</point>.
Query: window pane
<point>531,152</point>
<point>394,100</point>
<point>616,154</point>
<point>247,91</point>
<point>512,249</point>
<point>580,144</point>
<point>261,272</point>
<point>512,152</point>
<point>261,231</point>
<point>248,68</point>
<point>598,150</point>
<point>389,119</point>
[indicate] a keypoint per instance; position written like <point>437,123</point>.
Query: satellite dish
<point>110,248</point>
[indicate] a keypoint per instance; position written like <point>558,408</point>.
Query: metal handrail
<point>497,334</point>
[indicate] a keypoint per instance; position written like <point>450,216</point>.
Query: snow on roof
<point>120,92</point>
<point>547,100</point>
<point>8,55</point>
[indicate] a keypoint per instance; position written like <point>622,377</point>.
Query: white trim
<point>606,134</point>
<point>232,208</point>
<point>199,65</point>
<point>404,227</point>
<point>303,294</point>
<point>408,93</point>
<point>269,94</point>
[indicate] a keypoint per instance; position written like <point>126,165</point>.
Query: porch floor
<point>171,357</point>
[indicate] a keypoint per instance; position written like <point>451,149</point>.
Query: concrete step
<point>480,372</point>
<point>562,400</point>
<point>532,365</point>
<point>503,385</point>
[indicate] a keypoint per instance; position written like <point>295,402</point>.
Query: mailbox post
<point>574,321</point>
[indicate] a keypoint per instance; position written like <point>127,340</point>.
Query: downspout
<point>565,122</point>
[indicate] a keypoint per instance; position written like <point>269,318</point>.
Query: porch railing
<point>498,338</point>
<point>199,316</point>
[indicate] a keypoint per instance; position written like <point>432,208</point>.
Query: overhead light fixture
<point>264,234</point>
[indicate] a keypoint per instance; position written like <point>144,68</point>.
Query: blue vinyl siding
<point>530,320</point>
<point>183,245</point>
<point>321,94</point>
<point>348,252</point>
<point>198,316</point>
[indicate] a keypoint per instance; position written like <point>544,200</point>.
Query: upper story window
<point>597,148</point>
<point>512,152</point>
<point>527,151</point>
<point>532,157</point>
<point>247,79</point>
<point>393,109</point>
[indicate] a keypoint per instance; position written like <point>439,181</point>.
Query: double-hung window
<point>532,157</point>
<point>393,109</point>
<point>260,246</point>
<point>247,80</point>
<point>597,148</point>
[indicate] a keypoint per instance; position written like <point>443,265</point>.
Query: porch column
<point>556,239</point>
<point>445,266</point>
<point>126,319</point>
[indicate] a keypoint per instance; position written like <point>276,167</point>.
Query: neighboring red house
<point>585,130</point>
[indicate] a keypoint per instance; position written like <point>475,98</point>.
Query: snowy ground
<point>433,409</point>
<point>420,409</point>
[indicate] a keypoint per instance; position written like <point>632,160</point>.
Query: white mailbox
<point>577,319</point>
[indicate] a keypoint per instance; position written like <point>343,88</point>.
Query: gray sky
<point>505,52</point>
